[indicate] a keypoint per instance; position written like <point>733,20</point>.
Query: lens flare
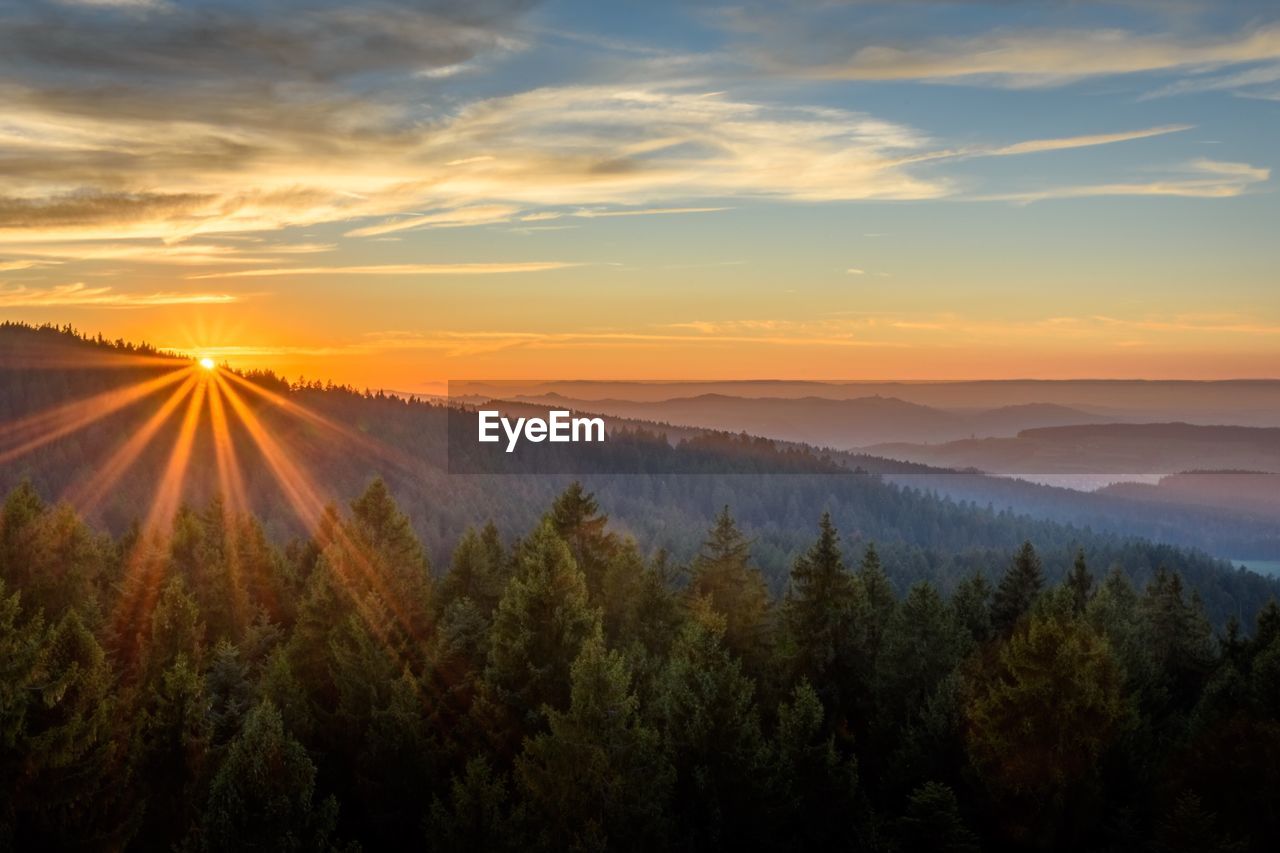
<point>215,403</point>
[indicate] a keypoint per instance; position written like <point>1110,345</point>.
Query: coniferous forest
<point>608,427</point>
<point>554,688</point>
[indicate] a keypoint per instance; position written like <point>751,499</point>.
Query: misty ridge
<point>928,521</point>
<point>866,415</point>
<point>1164,428</point>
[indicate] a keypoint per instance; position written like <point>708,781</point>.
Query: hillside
<point>829,422</point>
<point>1104,450</point>
<point>1251,492</point>
<point>349,438</point>
<point>812,420</point>
<point>1248,402</point>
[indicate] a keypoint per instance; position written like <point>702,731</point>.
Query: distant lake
<point>1262,567</point>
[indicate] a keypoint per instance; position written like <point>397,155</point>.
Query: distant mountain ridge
<point>1254,492</point>
<point>1247,402</point>
<point>826,422</point>
<point>1104,449</point>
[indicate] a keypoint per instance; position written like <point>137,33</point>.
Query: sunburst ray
<point>87,495</point>
<point>35,431</point>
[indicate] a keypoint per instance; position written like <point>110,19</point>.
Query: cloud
<point>128,120</point>
<point>286,40</point>
<point>154,132</point>
<point>1229,324</point>
<point>1252,82</point>
<point>79,294</point>
<point>1200,179</point>
<point>149,251</point>
<point>627,146</point>
<point>548,147</point>
<point>652,211</point>
<point>1036,146</point>
<point>15,266</point>
<point>74,209</point>
<point>855,271</point>
<point>397,269</point>
<point>1031,58</point>
<point>74,172</point>
<point>484,214</point>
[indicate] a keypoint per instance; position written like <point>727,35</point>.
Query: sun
<point>207,363</point>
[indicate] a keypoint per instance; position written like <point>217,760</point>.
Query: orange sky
<point>1069,190</point>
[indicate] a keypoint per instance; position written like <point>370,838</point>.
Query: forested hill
<point>359,436</point>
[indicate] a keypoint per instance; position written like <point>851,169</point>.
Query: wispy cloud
<point>396,269</point>
<point>1200,179</point>
<point>1040,57</point>
<point>1231,324</point>
<point>1036,146</point>
<point>15,266</point>
<point>149,252</point>
<point>154,134</point>
<point>484,214</point>
<point>554,147</point>
<point>1259,81</point>
<point>79,294</point>
<point>651,211</point>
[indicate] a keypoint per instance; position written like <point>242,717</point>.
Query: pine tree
<point>539,628</point>
<point>19,652</point>
<point>972,606</point>
<point>262,797</point>
<point>458,654</point>
<point>1080,582</point>
<point>723,574</point>
<point>177,630</point>
<point>642,611</point>
<point>230,692</point>
<point>268,585</point>
<point>478,571</point>
<point>382,525</point>
<point>476,815</point>
<point>1040,724</point>
<point>598,778</point>
<point>705,709</point>
<point>577,519</point>
<point>812,787</point>
<point>933,823</point>
<point>171,749</point>
<point>1017,590</point>
<point>50,555</point>
<point>877,592</point>
<point>389,561</point>
<point>1178,637</point>
<point>922,644</point>
<point>820,613</point>
<point>66,793</point>
<point>1190,828</point>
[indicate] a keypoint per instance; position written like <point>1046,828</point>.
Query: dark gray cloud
<point>301,66</point>
<point>93,207</point>
<point>105,102</point>
<point>278,42</point>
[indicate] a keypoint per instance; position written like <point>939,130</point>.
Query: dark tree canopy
<point>561,688</point>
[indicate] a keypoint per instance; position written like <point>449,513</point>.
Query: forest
<point>556,688</point>
<point>661,495</point>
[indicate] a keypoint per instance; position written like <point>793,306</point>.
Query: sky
<point>395,194</point>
